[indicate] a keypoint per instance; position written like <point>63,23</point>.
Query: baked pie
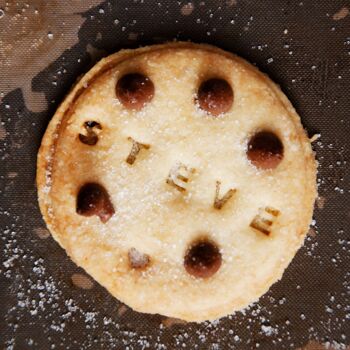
<point>180,178</point>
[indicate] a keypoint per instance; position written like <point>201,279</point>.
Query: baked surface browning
<point>156,219</point>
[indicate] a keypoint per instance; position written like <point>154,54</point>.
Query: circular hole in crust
<point>134,90</point>
<point>265,150</point>
<point>138,260</point>
<point>202,259</point>
<point>93,199</point>
<point>215,96</point>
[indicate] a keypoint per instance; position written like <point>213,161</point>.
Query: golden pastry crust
<point>154,218</point>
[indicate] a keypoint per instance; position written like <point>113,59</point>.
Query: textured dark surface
<point>303,45</point>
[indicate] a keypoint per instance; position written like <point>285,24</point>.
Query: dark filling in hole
<point>215,96</point>
<point>265,150</point>
<point>203,259</point>
<point>134,90</point>
<point>91,136</point>
<point>93,199</point>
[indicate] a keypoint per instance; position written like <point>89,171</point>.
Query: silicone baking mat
<point>46,301</point>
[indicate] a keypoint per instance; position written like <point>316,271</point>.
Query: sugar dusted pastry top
<point>180,178</point>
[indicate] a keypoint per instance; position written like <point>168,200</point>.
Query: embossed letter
<point>91,137</point>
<point>264,220</point>
<point>179,176</point>
<point>220,202</point>
<point>135,150</point>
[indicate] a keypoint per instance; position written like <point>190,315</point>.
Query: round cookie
<point>180,178</point>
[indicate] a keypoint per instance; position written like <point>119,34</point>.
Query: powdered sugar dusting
<point>292,317</point>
